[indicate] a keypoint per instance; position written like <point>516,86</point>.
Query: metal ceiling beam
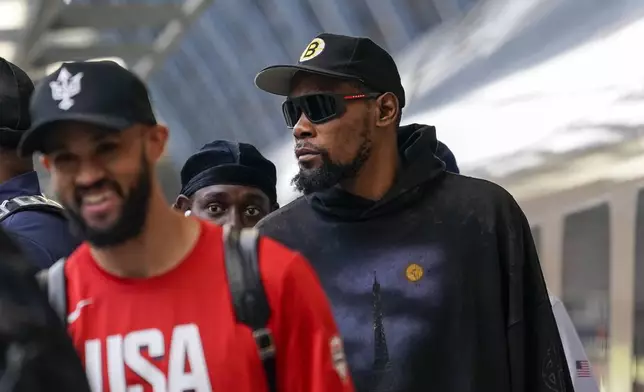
<point>447,9</point>
<point>219,97</point>
<point>301,23</point>
<point>170,37</point>
<point>228,70</point>
<point>10,35</point>
<point>388,19</point>
<point>45,12</point>
<point>104,16</point>
<point>330,14</point>
<point>35,53</point>
<point>53,54</point>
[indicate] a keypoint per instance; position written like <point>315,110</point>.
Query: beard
<point>330,173</point>
<point>130,222</point>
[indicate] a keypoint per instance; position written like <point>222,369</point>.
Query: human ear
<point>387,110</point>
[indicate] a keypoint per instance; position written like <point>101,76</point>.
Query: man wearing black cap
<point>35,222</point>
<point>434,277</point>
<point>228,183</point>
<point>147,296</point>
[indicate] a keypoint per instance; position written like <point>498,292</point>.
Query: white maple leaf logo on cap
<point>65,88</point>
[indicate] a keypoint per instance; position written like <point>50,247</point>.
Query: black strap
<point>54,283</point>
<point>248,295</point>
<point>25,203</point>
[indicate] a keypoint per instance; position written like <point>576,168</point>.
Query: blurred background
<point>545,97</point>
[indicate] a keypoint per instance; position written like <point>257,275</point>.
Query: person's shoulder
<point>34,218</point>
<point>45,229</point>
<point>210,230</point>
<point>276,260</point>
<point>39,225</point>
<point>477,190</point>
<point>283,214</point>
<point>276,253</point>
<point>478,199</point>
<point>484,187</point>
<point>284,272</point>
<point>77,262</point>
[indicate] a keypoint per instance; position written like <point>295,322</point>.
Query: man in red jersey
<point>148,297</point>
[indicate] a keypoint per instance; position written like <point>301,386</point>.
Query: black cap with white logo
<point>101,93</point>
<point>342,57</point>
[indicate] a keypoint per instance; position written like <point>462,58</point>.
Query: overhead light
<point>78,36</point>
<point>13,14</point>
<point>7,50</point>
<point>51,68</point>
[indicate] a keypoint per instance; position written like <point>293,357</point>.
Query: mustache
<point>310,146</point>
<point>80,191</point>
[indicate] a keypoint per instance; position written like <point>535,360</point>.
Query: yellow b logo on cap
<point>315,48</point>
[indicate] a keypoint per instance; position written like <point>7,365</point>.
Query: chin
<point>308,167</point>
<point>103,227</point>
<point>102,223</point>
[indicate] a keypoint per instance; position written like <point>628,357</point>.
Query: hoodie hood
<point>418,168</point>
<point>445,154</point>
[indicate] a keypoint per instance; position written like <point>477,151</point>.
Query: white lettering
<point>187,369</point>
<point>186,345</point>
<point>152,339</point>
<point>115,365</point>
<point>94,364</point>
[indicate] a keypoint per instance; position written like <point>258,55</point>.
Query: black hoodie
<point>435,287</point>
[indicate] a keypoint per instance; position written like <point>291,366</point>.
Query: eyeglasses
<point>319,108</point>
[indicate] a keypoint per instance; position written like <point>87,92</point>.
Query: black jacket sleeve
<point>36,354</point>
<point>536,354</point>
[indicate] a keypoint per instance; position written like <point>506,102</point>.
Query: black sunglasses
<point>319,108</point>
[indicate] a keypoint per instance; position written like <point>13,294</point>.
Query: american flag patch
<point>583,368</point>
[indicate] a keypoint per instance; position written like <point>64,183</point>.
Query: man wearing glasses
<point>434,277</point>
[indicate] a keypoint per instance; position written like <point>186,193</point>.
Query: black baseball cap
<point>230,163</point>
<point>338,56</point>
<point>101,93</point>
<point>16,89</point>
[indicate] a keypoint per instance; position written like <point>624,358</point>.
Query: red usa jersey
<point>177,331</point>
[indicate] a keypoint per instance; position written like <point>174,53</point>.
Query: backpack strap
<point>54,283</point>
<point>248,295</point>
<point>28,203</point>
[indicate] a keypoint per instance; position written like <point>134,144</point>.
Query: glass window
<point>638,332</point>
<point>423,14</point>
<point>586,255</point>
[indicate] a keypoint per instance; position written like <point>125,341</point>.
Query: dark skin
<point>237,205</point>
<point>342,136</point>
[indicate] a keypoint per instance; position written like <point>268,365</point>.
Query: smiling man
<point>148,296</point>
<point>228,183</point>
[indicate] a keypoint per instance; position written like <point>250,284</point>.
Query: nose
<point>89,173</point>
<point>233,218</point>
<point>303,129</point>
